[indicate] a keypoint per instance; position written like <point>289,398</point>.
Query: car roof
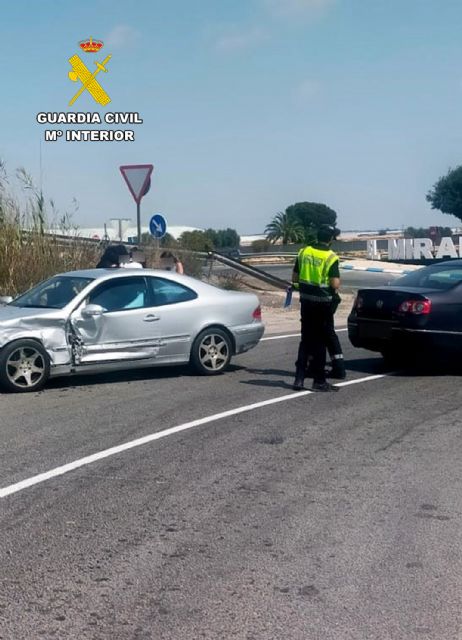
<point>111,272</point>
<point>114,272</point>
<point>454,262</point>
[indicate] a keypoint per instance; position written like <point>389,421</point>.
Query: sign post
<point>138,179</point>
<point>158,227</point>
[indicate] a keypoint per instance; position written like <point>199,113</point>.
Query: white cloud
<point>237,40</point>
<point>121,36</point>
<point>295,7</point>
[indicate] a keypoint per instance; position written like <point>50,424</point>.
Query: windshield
<point>434,277</point>
<point>54,293</point>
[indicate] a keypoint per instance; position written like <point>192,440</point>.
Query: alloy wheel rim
<point>25,367</point>
<point>213,352</point>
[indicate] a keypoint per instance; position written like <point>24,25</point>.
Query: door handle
<point>150,318</point>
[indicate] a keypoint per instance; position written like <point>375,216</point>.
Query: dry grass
<point>231,281</point>
<point>27,254</point>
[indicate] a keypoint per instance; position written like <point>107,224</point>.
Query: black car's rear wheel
<point>24,366</point>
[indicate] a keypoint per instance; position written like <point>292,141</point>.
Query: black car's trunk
<point>381,304</point>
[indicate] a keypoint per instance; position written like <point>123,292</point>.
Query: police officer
<point>316,274</point>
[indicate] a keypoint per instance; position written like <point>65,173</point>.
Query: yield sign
<point>138,179</point>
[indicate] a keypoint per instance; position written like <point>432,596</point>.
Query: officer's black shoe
<point>337,370</point>
<point>298,382</point>
<point>324,386</point>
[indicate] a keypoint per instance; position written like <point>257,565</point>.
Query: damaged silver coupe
<point>110,319</point>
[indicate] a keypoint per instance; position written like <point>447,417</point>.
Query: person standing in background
<point>170,262</point>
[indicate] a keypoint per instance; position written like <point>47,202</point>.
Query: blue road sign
<point>158,226</point>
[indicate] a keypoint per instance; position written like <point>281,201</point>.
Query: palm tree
<point>284,227</point>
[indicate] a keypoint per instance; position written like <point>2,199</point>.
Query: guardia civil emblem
<point>80,72</point>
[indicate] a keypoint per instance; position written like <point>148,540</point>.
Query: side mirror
<point>6,299</point>
<point>92,311</point>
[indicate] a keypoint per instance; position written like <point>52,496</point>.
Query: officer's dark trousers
<point>333,343</point>
<point>317,326</point>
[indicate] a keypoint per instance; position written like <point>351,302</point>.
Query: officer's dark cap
<point>327,233</point>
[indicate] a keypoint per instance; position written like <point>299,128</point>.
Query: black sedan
<point>422,310</point>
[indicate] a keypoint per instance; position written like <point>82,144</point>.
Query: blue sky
<point>248,106</point>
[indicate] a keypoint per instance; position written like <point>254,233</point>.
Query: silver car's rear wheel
<point>211,351</point>
<point>24,366</point>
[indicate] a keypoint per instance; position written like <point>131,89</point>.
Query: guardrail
<point>254,272</point>
<point>264,254</point>
<point>62,238</point>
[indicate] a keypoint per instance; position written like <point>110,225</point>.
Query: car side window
<point>169,292</point>
<point>121,294</point>
<point>444,278</point>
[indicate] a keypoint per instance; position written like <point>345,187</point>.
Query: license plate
<point>375,331</point>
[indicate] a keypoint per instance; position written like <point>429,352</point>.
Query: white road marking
<point>295,335</point>
<point>112,451</point>
<point>377,376</point>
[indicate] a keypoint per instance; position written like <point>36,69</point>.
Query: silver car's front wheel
<point>211,351</point>
<point>24,366</point>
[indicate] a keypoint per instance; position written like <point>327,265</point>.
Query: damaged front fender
<point>49,331</point>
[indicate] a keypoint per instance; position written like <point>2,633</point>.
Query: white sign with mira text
<point>416,249</point>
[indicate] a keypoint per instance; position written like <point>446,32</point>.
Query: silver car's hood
<point>9,313</point>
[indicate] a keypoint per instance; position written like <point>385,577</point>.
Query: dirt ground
<point>280,320</point>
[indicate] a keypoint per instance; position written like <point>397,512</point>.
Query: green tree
<point>228,238</point>
<point>285,227</point>
<point>311,216</point>
<point>446,194</point>
<point>223,238</point>
<point>426,232</point>
<point>166,241</point>
<point>416,232</point>
<point>195,241</point>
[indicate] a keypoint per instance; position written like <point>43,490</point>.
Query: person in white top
<point>135,260</point>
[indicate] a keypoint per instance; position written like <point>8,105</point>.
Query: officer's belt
<point>311,297</point>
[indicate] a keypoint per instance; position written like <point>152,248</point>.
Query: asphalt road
<point>322,516</point>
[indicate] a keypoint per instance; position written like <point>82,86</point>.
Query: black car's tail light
<point>358,303</point>
<point>416,307</point>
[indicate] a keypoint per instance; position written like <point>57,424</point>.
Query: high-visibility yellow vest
<point>314,265</point>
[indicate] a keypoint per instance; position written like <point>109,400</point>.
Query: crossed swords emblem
<point>89,82</point>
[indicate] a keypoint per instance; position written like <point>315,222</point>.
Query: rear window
<point>170,292</point>
<point>434,277</point>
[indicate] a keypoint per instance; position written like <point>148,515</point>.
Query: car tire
<point>24,366</point>
<point>211,352</point>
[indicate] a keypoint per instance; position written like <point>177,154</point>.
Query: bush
<point>195,241</point>
<point>231,281</point>
<point>261,245</point>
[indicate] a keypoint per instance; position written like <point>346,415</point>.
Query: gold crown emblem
<point>90,45</point>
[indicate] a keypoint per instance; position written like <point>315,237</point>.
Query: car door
<point>127,328</point>
<point>177,308</point>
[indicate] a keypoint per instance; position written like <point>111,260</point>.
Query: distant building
<point>118,232</point>
<point>246,241</point>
